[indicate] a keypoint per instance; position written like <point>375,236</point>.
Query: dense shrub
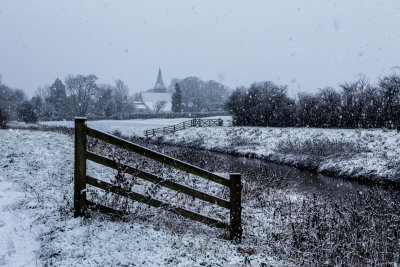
<point>264,104</point>
<point>26,113</point>
<point>3,118</point>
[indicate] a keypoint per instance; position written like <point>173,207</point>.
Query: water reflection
<point>302,181</point>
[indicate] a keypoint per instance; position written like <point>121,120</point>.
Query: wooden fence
<point>81,179</point>
<point>184,125</point>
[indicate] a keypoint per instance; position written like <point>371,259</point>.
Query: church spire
<point>160,87</point>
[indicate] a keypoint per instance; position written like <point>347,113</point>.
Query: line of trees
<point>358,104</point>
<point>82,95</point>
<point>79,95</point>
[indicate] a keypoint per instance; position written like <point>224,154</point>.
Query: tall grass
<point>320,147</point>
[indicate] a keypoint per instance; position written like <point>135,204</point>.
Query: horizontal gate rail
<point>103,208</point>
<point>158,180</point>
<point>154,202</point>
<point>157,156</point>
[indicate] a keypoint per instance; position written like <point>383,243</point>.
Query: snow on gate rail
<point>81,179</point>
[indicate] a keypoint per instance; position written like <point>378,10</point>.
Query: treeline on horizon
<point>355,104</point>
<point>358,104</point>
<point>82,95</point>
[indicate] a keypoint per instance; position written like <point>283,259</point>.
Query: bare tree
<point>390,86</point>
<point>159,106</point>
<point>351,101</point>
<point>120,96</point>
<point>328,108</point>
<point>81,90</point>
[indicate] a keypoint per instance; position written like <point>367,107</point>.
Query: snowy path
<point>17,244</point>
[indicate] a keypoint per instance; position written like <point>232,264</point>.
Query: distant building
<point>159,87</point>
<point>154,100</point>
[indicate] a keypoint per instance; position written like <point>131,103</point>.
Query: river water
<point>300,180</point>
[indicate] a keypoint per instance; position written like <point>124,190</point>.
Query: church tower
<point>160,87</point>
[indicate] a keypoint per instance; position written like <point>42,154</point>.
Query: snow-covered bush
<point>3,118</point>
<point>26,113</point>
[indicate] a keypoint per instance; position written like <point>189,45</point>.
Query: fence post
<point>220,122</point>
<point>236,207</point>
<point>80,167</point>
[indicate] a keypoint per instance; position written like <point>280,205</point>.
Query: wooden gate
<point>81,179</point>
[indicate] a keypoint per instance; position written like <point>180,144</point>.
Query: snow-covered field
<point>37,225</point>
<point>364,154</point>
<point>371,154</point>
<point>128,127</point>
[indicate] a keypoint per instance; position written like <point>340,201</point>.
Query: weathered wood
<point>158,180</point>
<point>80,167</point>
<point>158,156</point>
<point>236,207</point>
<point>102,208</point>
<point>154,202</point>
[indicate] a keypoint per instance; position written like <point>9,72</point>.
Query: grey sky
<point>305,44</point>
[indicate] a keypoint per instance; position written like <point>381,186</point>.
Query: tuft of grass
<point>320,147</point>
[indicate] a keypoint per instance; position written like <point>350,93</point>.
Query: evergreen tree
<point>177,99</point>
<point>58,98</point>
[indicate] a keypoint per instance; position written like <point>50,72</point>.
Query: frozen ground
<point>37,226</point>
<point>128,127</point>
<point>17,243</point>
<point>363,154</point>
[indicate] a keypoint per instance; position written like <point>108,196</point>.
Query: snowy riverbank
<point>361,154</point>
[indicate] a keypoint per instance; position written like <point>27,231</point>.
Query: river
<point>300,180</point>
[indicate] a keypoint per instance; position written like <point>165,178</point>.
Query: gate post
<point>80,167</point>
<point>236,207</point>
